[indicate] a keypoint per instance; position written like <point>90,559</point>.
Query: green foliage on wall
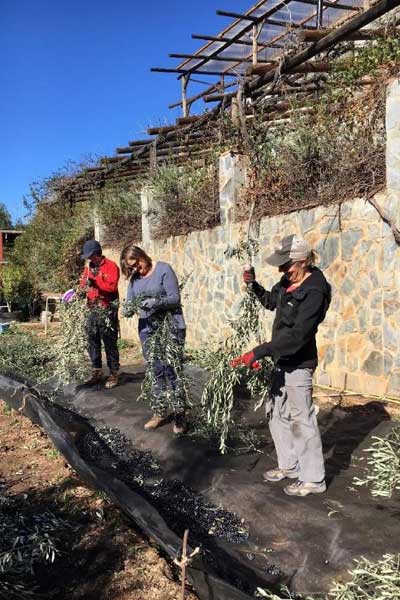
<point>48,251</point>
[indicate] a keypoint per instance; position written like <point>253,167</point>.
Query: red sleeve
<point>107,279</point>
<point>84,276</point>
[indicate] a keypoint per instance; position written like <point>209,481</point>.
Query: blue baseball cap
<point>91,247</point>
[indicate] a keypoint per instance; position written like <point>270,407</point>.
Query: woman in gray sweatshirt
<point>156,285</point>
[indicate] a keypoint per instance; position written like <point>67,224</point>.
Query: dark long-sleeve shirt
<point>298,315</point>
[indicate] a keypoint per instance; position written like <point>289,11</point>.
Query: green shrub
<point>24,355</point>
<point>16,287</point>
<point>49,250</point>
<point>188,195</point>
<point>118,207</point>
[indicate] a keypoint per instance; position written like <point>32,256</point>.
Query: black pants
<point>103,326</point>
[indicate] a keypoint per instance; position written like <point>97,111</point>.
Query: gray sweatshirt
<point>162,290</point>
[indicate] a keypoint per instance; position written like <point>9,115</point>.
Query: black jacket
<point>298,315</point>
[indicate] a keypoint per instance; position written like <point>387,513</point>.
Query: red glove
<point>247,360</point>
<point>249,276</point>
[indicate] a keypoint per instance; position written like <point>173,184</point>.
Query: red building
<point>7,241</point>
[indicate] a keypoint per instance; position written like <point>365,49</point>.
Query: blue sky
<point>75,78</point>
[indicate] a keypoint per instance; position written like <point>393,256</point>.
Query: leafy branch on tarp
<point>382,471</point>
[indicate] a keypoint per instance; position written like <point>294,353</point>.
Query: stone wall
<point>359,340</point>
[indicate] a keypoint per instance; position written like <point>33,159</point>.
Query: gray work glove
<point>149,304</point>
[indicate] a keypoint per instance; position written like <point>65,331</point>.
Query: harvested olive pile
<point>179,505</point>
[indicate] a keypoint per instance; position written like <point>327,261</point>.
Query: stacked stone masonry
<point>359,340</point>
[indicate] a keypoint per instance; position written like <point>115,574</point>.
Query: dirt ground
<point>103,557</point>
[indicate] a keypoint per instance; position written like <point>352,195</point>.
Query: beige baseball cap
<point>290,248</point>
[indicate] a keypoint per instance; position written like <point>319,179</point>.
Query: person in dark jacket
<point>300,299</point>
<point>100,281</point>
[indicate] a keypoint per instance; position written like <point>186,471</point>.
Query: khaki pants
<point>293,424</point>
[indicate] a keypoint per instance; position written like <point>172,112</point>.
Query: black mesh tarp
<point>251,534</point>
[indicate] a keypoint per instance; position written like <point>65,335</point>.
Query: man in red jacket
<point>100,279</point>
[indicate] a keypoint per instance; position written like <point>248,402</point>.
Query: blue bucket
<point>4,327</point>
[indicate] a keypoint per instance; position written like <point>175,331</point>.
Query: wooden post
<point>185,106</point>
<point>320,10</point>
<point>46,315</point>
<point>153,157</point>
<point>255,39</point>
<point>235,111</point>
<point>184,562</point>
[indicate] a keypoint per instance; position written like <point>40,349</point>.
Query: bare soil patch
<point>102,556</point>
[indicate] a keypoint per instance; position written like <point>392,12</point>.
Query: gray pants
<point>293,424</point>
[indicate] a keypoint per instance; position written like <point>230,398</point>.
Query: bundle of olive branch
<point>369,581</point>
<point>284,594</point>
<point>218,394</point>
<point>71,348</point>
<point>383,465</point>
<point>132,307</point>
<point>27,541</point>
<point>164,346</point>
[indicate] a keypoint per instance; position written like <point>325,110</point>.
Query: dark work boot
<point>96,377</point>
<point>180,424</point>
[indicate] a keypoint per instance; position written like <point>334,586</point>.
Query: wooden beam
<point>187,120</point>
<point>125,150</point>
<point>337,5</point>
<point>277,91</point>
<point>192,70</point>
<point>139,142</point>
<point>315,36</point>
<point>260,18</point>
<point>163,129</point>
<point>289,24</point>
<point>214,87</point>
<point>290,62</point>
<point>214,38</point>
<point>112,159</point>
<point>187,143</point>
<point>219,97</point>
<point>309,67</point>
<point>175,150</point>
<point>235,59</point>
<point>257,19</point>
<point>235,15</point>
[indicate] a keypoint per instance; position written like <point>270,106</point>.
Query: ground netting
<point>250,533</point>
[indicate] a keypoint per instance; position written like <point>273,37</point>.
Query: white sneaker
<point>279,474</point>
<point>302,488</point>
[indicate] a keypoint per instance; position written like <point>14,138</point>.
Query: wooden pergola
<point>277,49</point>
